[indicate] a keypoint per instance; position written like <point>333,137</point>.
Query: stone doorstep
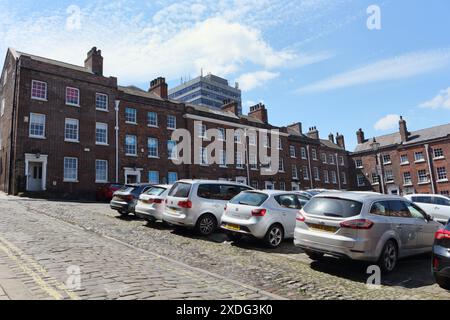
<point>11,287</point>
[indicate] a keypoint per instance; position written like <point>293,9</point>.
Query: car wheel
<point>206,224</point>
<point>274,236</point>
<point>389,257</point>
<point>123,213</point>
<point>316,256</point>
<point>443,282</point>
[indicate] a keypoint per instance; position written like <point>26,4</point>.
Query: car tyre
<point>206,224</point>
<point>123,213</point>
<point>274,236</point>
<point>443,282</point>
<point>389,257</point>
<point>316,256</point>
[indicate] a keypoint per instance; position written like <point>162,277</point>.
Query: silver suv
<point>368,227</point>
<point>199,204</point>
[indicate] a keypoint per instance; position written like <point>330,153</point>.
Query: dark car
<point>125,199</point>
<point>105,192</point>
<point>441,257</point>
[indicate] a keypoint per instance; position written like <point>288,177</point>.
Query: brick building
<point>404,162</point>
<point>67,129</point>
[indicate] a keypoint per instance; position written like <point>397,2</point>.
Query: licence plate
<point>323,228</point>
<point>233,227</point>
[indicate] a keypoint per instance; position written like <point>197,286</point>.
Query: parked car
<point>436,205</point>
<point>151,204</point>
<point>266,215</point>
<point>199,204</point>
<point>441,257</point>
<point>369,227</point>
<point>125,199</point>
<point>105,192</point>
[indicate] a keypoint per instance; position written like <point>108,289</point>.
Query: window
<point>305,173</point>
<point>344,178</point>
<point>333,177</point>
<point>324,157</point>
<point>326,176</point>
<point>38,90</point>
<point>445,193</point>
<point>389,176</point>
<point>359,164</point>
<point>266,141</point>
<point>130,115</point>
<point>442,174</point>
<point>152,119</point>
<point>289,201</point>
<point>314,154</point>
<point>101,133</point>
<point>341,161</point>
<point>37,125</point>
<point>316,174</point>
<point>101,101</point>
<point>222,134</point>
<point>2,108</point>
<point>292,151</point>
<point>303,153</point>
<point>70,169</point>
<point>239,160</point>
<point>152,144</point>
<point>404,159</point>
<point>252,139</point>
<point>281,165</point>
<point>101,171</point>
<point>203,156</point>
<point>380,208</point>
<point>172,149</point>
<point>375,178</point>
<point>332,207</point>
<point>253,162</point>
<point>201,129</point>
<point>223,158</point>
<point>331,159</point>
<point>255,184</point>
<point>153,177</point>
<point>399,209</point>
<point>171,122</point>
<point>172,177</point>
<point>407,179</point>
<point>72,96</point>
<point>361,180</point>
<point>282,186</point>
<point>419,156</point>
<point>280,144</point>
<point>386,159</point>
<point>71,130</point>
<point>438,153</point>
<point>219,191</point>
<point>423,176</point>
<point>294,172</point>
<point>130,145</point>
<point>238,136</point>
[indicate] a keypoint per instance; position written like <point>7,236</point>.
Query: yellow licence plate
<point>322,228</point>
<point>233,227</point>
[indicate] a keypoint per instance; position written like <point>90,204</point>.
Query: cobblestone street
<point>129,259</point>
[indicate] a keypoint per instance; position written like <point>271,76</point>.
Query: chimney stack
<point>340,141</point>
<point>331,137</point>
<point>230,106</point>
<point>159,87</point>
<point>360,136</point>
<point>94,61</point>
<point>297,127</point>
<point>259,112</point>
<point>313,133</point>
<point>403,129</point>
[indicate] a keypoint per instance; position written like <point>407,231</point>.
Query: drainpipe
<point>338,174</point>
<point>12,131</point>
<point>310,169</point>
<point>247,156</point>
<point>427,150</point>
<point>381,173</point>
<point>117,139</point>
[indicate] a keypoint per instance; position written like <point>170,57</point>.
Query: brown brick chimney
<point>259,112</point>
<point>360,136</point>
<point>313,133</point>
<point>340,141</point>
<point>230,106</point>
<point>94,61</point>
<point>403,129</point>
<point>159,87</point>
<point>331,137</point>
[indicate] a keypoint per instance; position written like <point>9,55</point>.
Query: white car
<point>152,203</point>
<point>435,205</point>
<point>267,215</point>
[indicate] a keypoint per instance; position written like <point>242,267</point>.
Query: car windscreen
<point>155,191</point>
<point>180,190</point>
<point>254,199</point>
<point>333,207</point>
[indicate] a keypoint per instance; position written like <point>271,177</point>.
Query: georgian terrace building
<point>404,162</point>
<point>67,129</point>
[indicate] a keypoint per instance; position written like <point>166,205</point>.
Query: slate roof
<point>394,139</point>
<point>132,90</point>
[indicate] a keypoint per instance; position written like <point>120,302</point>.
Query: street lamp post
<point>375,148</point>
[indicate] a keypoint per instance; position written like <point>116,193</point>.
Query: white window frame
<point>326,176</point>
<point>441,171</point>
<point>70,179</point>
<point>46,90</point>
<point>386,159</point>
<point>135,145</point>
<point>422,159</point>
<point>105,127</point>
<point>420,180</point>
<point>168,177</point>
<point>126,115</point>
<point>333,177</point>
<point>171,119</point>
<point>152,125</point>
<point>357,161</point>
<point>153,156</point>
<point>98,94</point>
<point>361,180</point>
<point>292,153</point>
<point>402,158</point>
<point>78,97</point>
<point>96,171</point>
<point>174,154</point>
<point>303,154</point>
<point>305,171</point>
<point>44,124</point>
<point>316,173</point>
<point>439,157</point>
<point>66,121</point>
<point>407,178</point>
<point>157,175</point>
<point>314,154</point>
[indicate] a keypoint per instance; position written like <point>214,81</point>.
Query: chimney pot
<point>94,61</point>
<point>159,87</point>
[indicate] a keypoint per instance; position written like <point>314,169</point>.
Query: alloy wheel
<point>206,225</point>
<point>275,236</point>
<point>390,257</point>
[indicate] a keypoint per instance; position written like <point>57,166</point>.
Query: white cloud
<point>441,101</point>
<point>250,81</point>
<point>400,67</point>
<point>388,122</point>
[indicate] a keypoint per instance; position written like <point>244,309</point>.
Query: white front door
<point>241,180</point>
<point>35,176</point>
<point>295,186</point>
<point>269,185</point>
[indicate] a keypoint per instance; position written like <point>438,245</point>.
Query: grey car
<point>361,226</point>
<point>125,199</point>
<point>266,215</point>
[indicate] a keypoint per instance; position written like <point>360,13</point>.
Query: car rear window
<point>180,190</point>
<point>289,201</point>
<point>126,189</point>
<point>224,192</point>
<point>333,207</point>
<point>422,199</point>
<point>254,199</point>
<point>155,191</point>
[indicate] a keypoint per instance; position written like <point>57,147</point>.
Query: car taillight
<point>300,217</point>
<point>357,224</point>
<point>442,234</point>
<point>259,212</point>
<point>436,263</point>
<point>128,198</point>
<point>157,201</point>
<point>185,204</point>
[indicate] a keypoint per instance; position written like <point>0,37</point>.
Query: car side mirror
<point>429,218</point>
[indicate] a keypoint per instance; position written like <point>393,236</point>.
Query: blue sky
<point>313,61</point>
